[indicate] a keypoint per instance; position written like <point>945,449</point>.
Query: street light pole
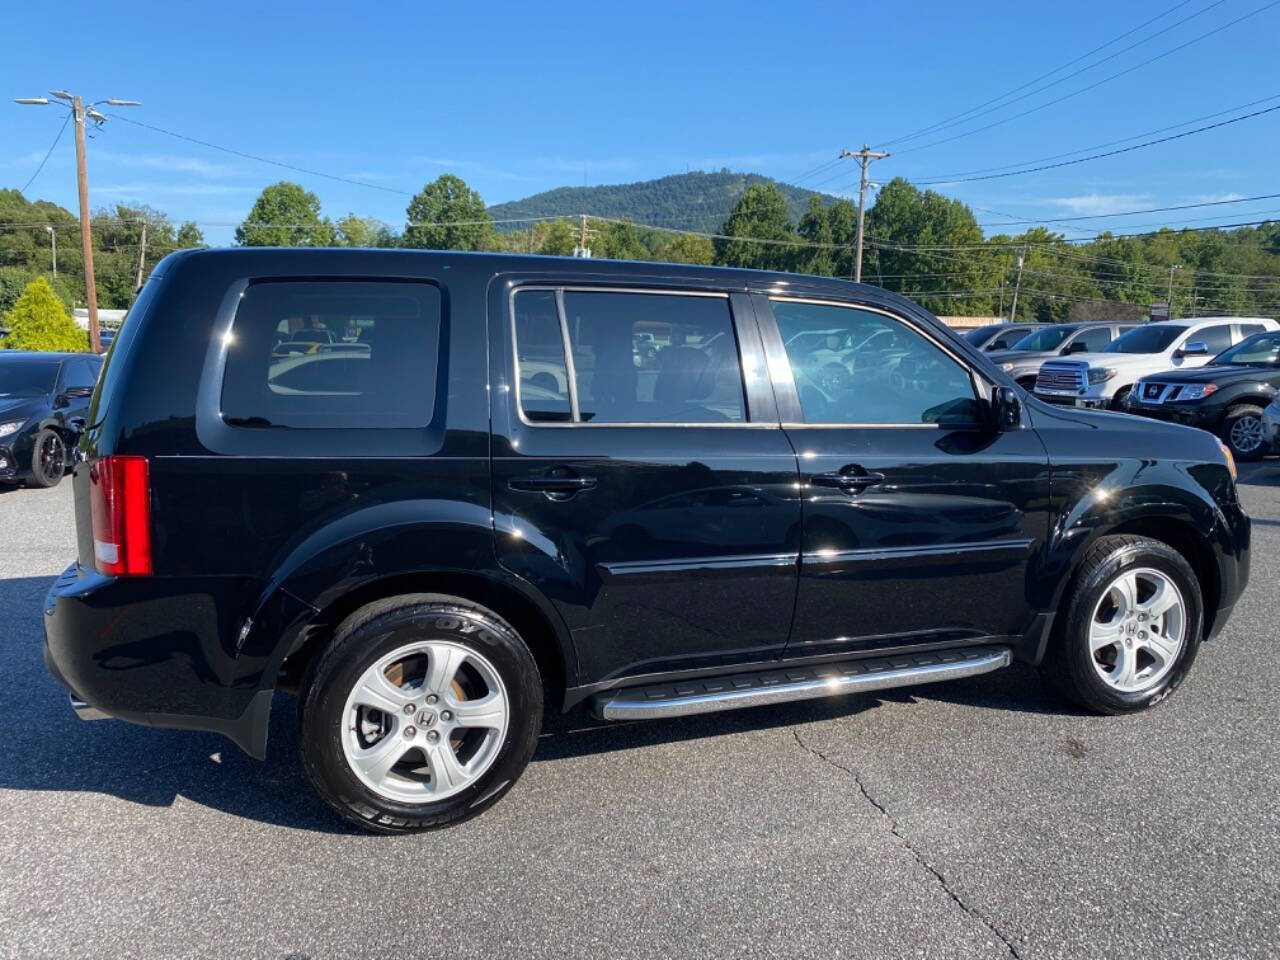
<point>53,240</point>
<point>78,113</point>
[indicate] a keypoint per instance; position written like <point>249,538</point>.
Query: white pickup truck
<point>1104,379</point>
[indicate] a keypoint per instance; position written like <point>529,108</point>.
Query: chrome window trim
<point>929,335</point>
<point>559,290</point>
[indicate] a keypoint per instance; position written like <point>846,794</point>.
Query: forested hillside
<point>691,201</point>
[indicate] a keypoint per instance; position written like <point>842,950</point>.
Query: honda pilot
<point>506,481</point>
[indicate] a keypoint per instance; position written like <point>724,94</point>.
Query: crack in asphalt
<point>896,830</point>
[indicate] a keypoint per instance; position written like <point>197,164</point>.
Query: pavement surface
<point>973,819</point>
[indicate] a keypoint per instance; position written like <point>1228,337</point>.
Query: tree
<point>761,212</point>
<point>356,231</point>
<point>557,238</point>
<point>286,215</point>
<point>39,321</point>
<point>448,215</point>
<point>688,248</point>
<point>189,235</point>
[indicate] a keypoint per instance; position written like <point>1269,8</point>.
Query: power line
<point>1130,213</point>
<point>268,160</point>
<point>960,117</point>
<point>1099,156</point>
<point>48,153</point>
<point>945,177</point>
<point>1095,84</point>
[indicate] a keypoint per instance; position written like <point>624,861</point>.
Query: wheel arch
<point>532,617</point>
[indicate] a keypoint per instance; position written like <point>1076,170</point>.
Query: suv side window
<point>888,374</point>
<point>1249,329</point>
<point>1217,337</point>
<point>1007,339</point>
<point>636,357</point>
<point>1094,340</point>
<point>333,354</point>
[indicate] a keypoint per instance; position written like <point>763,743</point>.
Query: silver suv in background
<point>1104,379</point>
<point>999,336</point>
<point>1022,361</point>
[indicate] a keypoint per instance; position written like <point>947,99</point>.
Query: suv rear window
<point>333,354</point>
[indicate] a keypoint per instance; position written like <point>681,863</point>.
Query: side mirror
<point>1078,346</point>
<point>60,401</point>
<point>1006,408</point>
<point>1196,348</point>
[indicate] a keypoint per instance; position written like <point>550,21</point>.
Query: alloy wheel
<point>1137,631</point>
<point>425,721</point>
<point>1246,434</point>
<point>53,457</point>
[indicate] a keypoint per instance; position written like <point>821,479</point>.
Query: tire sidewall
<point>1079,658</point>
<point>323,707</point>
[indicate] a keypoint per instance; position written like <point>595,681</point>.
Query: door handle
<point>555,487</point>
<point>851,479</point>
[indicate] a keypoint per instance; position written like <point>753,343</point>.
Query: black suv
<point>1227,395</point>
<point>43,400</point>
<point>510,478</point>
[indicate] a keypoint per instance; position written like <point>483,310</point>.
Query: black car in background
<point>1226,396</point>
<point>657,490</point>
<point>999,336</point>
<point>43,401</point>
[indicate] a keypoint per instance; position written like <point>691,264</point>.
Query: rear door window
<point>1216,338</point>
<point>332,354</point>
<point>1094,340</point>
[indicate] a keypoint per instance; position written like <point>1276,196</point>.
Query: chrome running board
<point>783,684</point>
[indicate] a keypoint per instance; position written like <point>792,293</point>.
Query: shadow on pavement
<point>153,767</point>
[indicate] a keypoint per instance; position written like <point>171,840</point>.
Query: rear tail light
<point>120,504</point>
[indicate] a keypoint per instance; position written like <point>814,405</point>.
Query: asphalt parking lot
<point>974,819</point>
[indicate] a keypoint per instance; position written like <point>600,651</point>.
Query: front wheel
<point>421,712</point>
<point>1241,430</point>
<point>1130,628</point>
<point>48,458</point>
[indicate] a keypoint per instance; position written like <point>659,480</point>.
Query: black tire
<point>48,458</point>
<point>376,630</point>
<point>1069,663</point>
<point>1228,430</point>
<point>1121,395</point>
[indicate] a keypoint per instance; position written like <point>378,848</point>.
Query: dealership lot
<point>972,819</point>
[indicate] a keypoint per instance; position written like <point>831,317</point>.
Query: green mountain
<point>696,201</point>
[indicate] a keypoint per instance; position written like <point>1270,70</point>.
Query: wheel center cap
<point>426,717</point>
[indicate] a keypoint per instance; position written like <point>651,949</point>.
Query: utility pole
<point>53,241</point>
<point>78,113</point>
<point>582,250</point>
<point>142,255</point>
<point>1013,310</point>
<point>864,158</point>
<point>1176,266</point>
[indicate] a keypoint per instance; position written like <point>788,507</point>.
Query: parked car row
<point>44,398</point>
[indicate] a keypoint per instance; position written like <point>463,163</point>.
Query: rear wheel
<point>48,458</point>
<point>1130,628</point>
<point>421,712</point>
<point>1241,430</point>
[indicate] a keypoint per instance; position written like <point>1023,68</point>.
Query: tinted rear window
<point>1152,339</point>
<point>333,354</point>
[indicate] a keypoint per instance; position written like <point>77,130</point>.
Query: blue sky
<point>518,98</point>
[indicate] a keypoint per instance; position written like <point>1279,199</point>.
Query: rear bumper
<point>155,651</point>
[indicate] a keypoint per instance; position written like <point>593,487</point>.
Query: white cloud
<point>165,161</point>
<point>1216,197</point>
<point>137,190</point>
<point>1101,204</point>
